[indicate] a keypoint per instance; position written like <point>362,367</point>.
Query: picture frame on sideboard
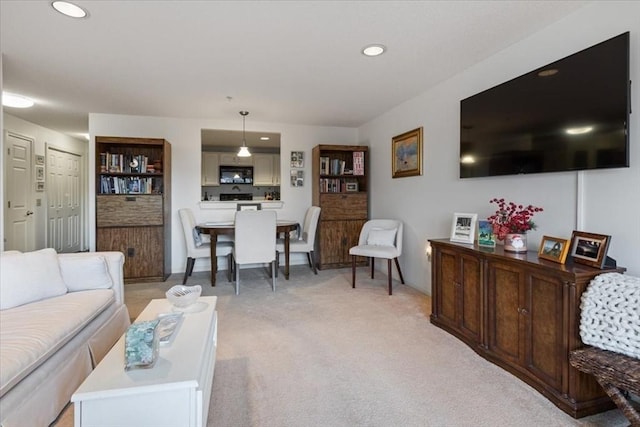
<point>463,228</point>
<point>589,248</point>
<point>554,249</point>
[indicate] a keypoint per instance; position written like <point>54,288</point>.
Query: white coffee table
<point>175,392</point>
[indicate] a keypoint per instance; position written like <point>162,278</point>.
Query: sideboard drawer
<point>129,210</point>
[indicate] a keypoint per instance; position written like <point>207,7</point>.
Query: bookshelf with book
<point>133,204</point>
<point>340,189</point>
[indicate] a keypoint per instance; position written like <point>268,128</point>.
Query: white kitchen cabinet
<point>232,159</point>
<point>210,169</point>
<point>266,169</point>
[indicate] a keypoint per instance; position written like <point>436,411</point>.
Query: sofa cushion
<point>28,277</point>
<point>85,272</point>
<point>31,333</point>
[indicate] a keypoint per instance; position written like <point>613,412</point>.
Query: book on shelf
<point>358,163</point>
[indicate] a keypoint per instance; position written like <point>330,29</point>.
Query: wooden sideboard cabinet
<point>521,313</point>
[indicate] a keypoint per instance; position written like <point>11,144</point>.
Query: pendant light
<point>244,151</point>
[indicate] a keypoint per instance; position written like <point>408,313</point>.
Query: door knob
<point>29,213</point>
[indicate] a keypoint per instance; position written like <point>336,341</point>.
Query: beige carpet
<point>318,353</point>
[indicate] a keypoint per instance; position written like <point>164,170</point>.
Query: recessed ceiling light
<point>264,138</point>
<point>547,73</point>
<point>374,50</point>
<point>580,130</point>
<point>69,9</point>
<point>16,101</point>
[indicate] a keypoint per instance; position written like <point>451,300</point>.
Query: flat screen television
<point>572,114</point>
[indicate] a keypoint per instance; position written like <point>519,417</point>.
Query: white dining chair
<point>255,241</point>
<point>305,240</point>
<point>197,248</point>
<point>379,238</point>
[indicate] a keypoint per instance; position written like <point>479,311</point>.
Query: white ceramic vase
<point>515,242</point>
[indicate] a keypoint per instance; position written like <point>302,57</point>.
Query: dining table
<point>228,227</point>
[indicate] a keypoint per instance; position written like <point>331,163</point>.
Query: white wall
<point>184,136</point>
<point>609,201</point>
<point>44,137</point>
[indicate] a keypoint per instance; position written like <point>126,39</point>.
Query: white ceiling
<point>284,61</point>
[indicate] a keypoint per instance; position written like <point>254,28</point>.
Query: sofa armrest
<point>115,266</point>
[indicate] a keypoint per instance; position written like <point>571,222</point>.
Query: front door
<point>19,220</point>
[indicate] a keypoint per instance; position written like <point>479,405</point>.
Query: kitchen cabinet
<point>210,169</point>
<point>521,313</point>
<point>232,159</point>
<point>266,169</point>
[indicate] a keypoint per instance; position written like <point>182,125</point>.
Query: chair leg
<point>372,261</point>
<point>237,279</point>
<point>312,262</point>
<point>353,271</point>
<point>389,274</point>
<point>399,271</point>
<point>189,269</point>
<point>230,267</point>
<point>277,262</point>
<point>273,275</point>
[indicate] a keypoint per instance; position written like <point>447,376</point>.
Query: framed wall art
<point>39,173</point>
<point>297,178</point>
<point>589,248</point>
<point>406,156</point>
<point>553,249</point>
<point>463,228</point>
<point>39,159</point>
<point>297,159</point>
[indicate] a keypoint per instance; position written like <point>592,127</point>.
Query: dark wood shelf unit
<point>521,313</point>
<point>344,202</point>
<point>134,220</point>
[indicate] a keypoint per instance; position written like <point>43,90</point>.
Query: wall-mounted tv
<point>572,114</point>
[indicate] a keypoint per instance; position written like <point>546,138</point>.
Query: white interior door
<point>64,219</point>
<point>19,220</point>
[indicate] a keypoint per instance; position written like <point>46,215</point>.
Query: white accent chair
<point>255,241</point>
<point>196,248</point>
<point>379,238</point>
<point>306,240</point>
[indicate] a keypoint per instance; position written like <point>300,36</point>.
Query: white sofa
<point>59,315</point>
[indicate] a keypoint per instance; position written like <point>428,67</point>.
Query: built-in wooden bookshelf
<point>340,189</point>
<point>133,204</point>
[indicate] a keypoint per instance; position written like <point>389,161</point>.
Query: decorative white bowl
<point>183,296</point>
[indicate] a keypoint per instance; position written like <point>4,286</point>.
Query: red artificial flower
<point>512,218</point>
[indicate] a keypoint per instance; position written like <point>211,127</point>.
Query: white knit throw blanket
<point>610,316</point>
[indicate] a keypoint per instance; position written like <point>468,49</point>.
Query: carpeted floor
<point>319,353</point>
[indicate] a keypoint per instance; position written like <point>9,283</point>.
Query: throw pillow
<point>28,277</point>
<point>84,272</point>
<point>381,237</point>
<point>197,238</point>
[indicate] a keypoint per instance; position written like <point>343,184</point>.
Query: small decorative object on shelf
<point>511,223</point>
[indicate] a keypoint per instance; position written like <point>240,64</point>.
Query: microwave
<point>236,174</point>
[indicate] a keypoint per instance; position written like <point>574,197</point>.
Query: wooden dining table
<point>216,228</point>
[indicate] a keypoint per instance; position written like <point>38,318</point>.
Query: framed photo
<point>351,187</point>
<point>589,248</point>
<point>39,159</point>
<point>297,159</point>
<point>554,249</point>
<point>39,173</point>
<point>297,178</point>
<point>485,234</point>
<point>406,156</point>
<point>40,186</point>
<point>463,229</point>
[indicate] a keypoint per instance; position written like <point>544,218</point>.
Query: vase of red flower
<point>511,222</point>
